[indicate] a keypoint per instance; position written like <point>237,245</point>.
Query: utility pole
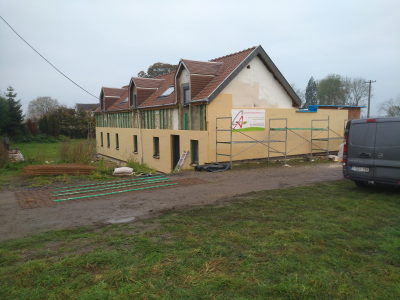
<point>369,94</point>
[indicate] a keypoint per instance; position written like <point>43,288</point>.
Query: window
<point>101,139</point>
<point>134,101</point>
<point>156,147</point>
<point>135,144</point>
<point>125,101</point>
<point>116,141</point>
<point>108,140</point>
<point>194,150</point>
<point>166,93</point>
<point>186,95</point>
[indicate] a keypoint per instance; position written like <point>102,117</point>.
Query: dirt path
<point>15,222</point>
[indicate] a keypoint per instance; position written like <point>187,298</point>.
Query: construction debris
<point>60,169</point>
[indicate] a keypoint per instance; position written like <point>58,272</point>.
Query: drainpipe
<point>140,136</point>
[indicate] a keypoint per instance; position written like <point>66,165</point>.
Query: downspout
<point>140,136</point>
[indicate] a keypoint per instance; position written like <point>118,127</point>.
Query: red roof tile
<point>147,82</point>
<point>169,79</point>
<point>230,62</point>
<point>117,104</point>
<point>113,92</point>
<point>202,67</point>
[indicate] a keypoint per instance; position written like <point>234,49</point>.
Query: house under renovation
<point>235,107</point>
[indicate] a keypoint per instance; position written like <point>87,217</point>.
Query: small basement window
<point>108,140</point>
<point>194,150</point>
<point>166,93</point>
<point>135,144</point>
<point>116,141</point>
<point>156,147</point>
<point>101,139</point>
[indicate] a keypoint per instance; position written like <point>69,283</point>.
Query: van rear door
<point>361,150</point>
<point>387,149</point>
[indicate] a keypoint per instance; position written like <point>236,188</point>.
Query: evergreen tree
<point>16,117</point>
<point>311,93</point>
<point>4,118</point>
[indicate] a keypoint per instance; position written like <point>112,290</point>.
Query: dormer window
<point>125,101</point>
<point>166,93</point>
<point>186,95</point>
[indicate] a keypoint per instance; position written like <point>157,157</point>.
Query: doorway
<point>175,150</point>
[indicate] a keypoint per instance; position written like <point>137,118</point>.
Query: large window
<point>194,150</point>
<point>108,140</point>
<point>116,141</point>
<point>186,95</point>
<point>135,144</point>
<point>156,147</point>
<point>101,139</point>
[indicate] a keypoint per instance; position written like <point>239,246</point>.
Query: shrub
<point>75,153</point>
<point>3,156</point>
<point>103,169</point>
<point>32,128</point>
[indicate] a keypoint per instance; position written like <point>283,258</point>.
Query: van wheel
<point>360,183</point>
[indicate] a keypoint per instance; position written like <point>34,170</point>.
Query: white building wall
<point>257,87</point>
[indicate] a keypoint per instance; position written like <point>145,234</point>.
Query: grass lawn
<point>327,241</point>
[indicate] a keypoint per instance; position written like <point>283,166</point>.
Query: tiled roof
<point>117,105</point>
<point>230,62</point>
<point>87,107</point>
<point>147,82</point>
<point>113,92</point>
<point>202,67</point>
<point>168,80</point>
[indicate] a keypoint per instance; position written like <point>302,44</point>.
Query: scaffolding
<point>273,131</point>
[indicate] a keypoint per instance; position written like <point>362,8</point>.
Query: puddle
<point>124,220</point>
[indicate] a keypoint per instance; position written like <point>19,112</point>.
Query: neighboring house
<point>87,107</point>
<point>153,120</point>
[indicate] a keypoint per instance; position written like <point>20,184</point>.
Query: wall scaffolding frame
<point>267,141</point>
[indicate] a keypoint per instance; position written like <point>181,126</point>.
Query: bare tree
<point>299,92</point>
<point>358,91</point>
<point>390,107</point>
<point>41,106</point>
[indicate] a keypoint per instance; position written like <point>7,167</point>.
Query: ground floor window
<point>135,144</point>
<point>108,140</point>
<point>156,147</point>
<point>116,141</point>
<point>194,150</point>
<point>101,139</point>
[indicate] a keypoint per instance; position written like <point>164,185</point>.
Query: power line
<point>47,60</point>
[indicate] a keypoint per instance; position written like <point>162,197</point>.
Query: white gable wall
<point>257,87</point>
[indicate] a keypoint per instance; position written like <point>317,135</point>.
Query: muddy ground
<point>221,187</point>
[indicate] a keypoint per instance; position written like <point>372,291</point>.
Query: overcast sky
<point>104,43</point>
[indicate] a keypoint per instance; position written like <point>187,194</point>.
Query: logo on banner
<point>248,119</point>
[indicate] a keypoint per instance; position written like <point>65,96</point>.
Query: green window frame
<point>116,141</point>
<point>156,147</point>
<point>101,139</point>
<point>108,140</point>
<point>135,150</point>
<point>194,151</point>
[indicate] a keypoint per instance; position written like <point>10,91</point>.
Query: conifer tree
<point>311,93</point>
<point>15,114</point>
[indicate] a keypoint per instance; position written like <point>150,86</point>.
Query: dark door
<point>361,150</point>
<point>175,150</point>
<point>387,150</point>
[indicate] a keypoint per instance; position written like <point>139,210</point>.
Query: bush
<point>40,138</point>
<point>140,168</point>
<point>3,156</point>
<point>75,153</point>
<point>103,169</point>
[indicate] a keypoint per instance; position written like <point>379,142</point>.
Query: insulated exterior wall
<point>257,88</point>
<point>222,106</point>
<point>164,163</point>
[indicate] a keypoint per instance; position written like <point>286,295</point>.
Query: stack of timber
<point>61,169</point>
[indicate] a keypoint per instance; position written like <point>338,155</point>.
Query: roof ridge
<point>113,88</point>
<point>202,61</point>
<point>251,48</point>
